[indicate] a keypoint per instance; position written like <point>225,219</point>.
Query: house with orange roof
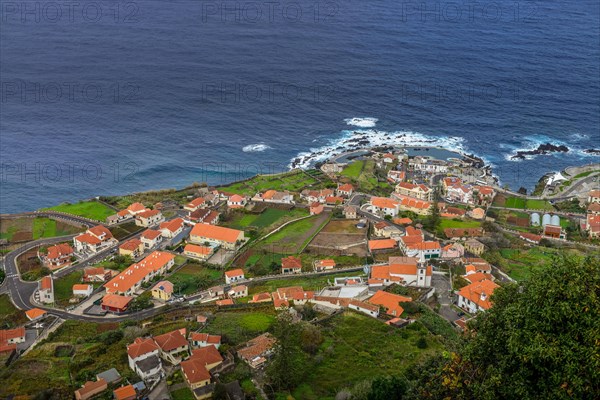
<point>449,182</point>
<point>334,200</point>
<point>554,231</point>
<point>198,252</point>
<point>82,290</point>
<point>195,204</point>
<point>416,191</point>
<point>10,338</point>
<point>316,208</point>
<point>228,238</point>
<point>224,302</point>
<point>273,196</point>
<point>384,206</point>
<point>171,228</point>
<point>144,358</point>
<point>120,216</point>
<point>380,245</point>
<point>204,339</point>
<point>202,216</point>
<point>476,296</point>
<point>483,195</point>
<point>478,277</point>
<point>237,201</point>
<point>345,190</point>
<point>91,389</point>
<point>237,292</point>
<point>282,296</point>
<point>324,265</point>
<point>234,275</point>
<point>388,158</point>
<point>136,208</point>
<point>35,314</point>
<point>389,302</point>
<point>477,213</point>
<point>452,250</point>
<point>258,350</point>
<point>94,239</point>
<point>428,249</point>
<point>530,237</point>
<point>263,297</point>
<point>174,346</point>
<point>96,274</point>
<point>197,371</point>
<point>291,265</point>
<point>46,290</point>
<point>402,221</point>
<point>149,218</point>
<point>594,196</point>
<point>132,248</point>
<point>130,280</point>
<point>592,226</point>
<point>115,304</point>
<point>408,271</point>
<point>151,238</point>
<point>350,212</point>
<point>163,291</point>
<point>420,207</point>
<point>460,233</point>
<point>459,193</point>
<point>58,256</point>
<point>395,176</point>
<point>125,393</point>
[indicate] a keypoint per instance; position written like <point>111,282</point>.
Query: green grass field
<point>182,394</point>
<point>354,169</point>
<point>35,228</point>
<point>357,348</point>
<point>293,232</point>
<point>519,263</point>
<point>63,287</point>
<point>187,275</point>
<point>530,204</point>
<point>451,223</point>
<point>294,181</point>
<point>87,209</point>
<point>267,218</point>
<point>241,326</point>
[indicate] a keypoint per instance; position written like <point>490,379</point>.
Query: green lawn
<point>87,209</point>
<point>530,204</point>
<point>187,277</point>
<point>241,326</point>
<point>519,263</point>
<point>182,394</point>
<point>358,348</point>
<point>63,287</point>
<point>354,169</point>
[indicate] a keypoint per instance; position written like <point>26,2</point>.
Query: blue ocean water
<point>110,97</point>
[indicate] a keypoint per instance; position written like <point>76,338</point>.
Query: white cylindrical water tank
<point>535,219</point>
<point>546,219</point>
<point>555,220</point>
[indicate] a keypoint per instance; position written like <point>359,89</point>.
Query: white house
<point>151,238</point>
<point>234,275</point>
<point>144,359</point>
<point>238,291</point>
<point>82,290</point>
<point>149,218</point>
<point>384,206</point>
<point>476,296</point>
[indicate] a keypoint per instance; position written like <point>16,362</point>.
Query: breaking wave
<point>255,148</point>
<point>362,122</point>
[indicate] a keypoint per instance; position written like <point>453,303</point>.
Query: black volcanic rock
<point>592,151</point>
<point>546,148</point>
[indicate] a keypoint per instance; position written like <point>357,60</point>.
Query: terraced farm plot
<point>269,218</point>
<point>23,229</point>
<point>293,237</point>
<point>241,326</point>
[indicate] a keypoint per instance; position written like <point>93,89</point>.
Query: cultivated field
<point>88,209</point>
<point>24,229</point>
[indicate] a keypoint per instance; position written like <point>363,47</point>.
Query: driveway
<point>442,288</point>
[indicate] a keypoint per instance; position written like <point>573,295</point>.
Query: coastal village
<point>183,287</point>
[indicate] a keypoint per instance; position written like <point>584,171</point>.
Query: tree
<point>141,302</point>
<point>287,368</point>
<point>388,388</point>
<point>538,341</point>
<point>311,338</point>
<point>433,220</point>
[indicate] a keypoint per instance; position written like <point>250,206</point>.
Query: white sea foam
<point>365,122</point>
<point>364,138</point>
<point>531,143</point>
<point>254,148</point>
